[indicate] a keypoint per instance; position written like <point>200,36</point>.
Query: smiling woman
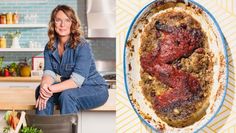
<point>69,55</point>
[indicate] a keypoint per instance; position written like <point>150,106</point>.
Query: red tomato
<point>6,73</point>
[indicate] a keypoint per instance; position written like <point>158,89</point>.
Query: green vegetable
<point>30,130</point>
<point>1,61</point>
<point>7,114</point>
<point>13,65</point>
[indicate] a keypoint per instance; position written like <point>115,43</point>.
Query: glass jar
<point>3,42</point>
<point>15,18</point>
<point>3,18</point>
<point>9,18</point>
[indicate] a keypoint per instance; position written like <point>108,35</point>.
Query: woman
<point>68,55</point>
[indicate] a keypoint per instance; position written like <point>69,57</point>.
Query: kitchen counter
<point>23,99</point>
<point>20,79</point>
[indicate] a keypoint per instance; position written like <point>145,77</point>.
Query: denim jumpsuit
<point>76,64</point>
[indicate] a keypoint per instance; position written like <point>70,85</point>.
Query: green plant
<point>14,34</point>
<point>30,130</point>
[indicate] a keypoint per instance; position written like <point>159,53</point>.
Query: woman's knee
<point>102,98</point>
<point>65,97</point>
<point>67,103</point>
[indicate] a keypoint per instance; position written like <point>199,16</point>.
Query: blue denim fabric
<point>74,100</point>
<point>77,64</point>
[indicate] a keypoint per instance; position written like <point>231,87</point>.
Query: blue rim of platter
<point>225,57</point>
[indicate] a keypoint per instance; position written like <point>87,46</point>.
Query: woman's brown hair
<point>76,31</point>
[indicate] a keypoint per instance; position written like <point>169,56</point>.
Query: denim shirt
<point>77,64</point>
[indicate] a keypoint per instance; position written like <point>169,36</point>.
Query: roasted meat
<point>177,37</point>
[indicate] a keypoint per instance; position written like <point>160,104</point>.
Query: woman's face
<point>62,24</point>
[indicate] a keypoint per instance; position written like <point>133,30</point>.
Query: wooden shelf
<point>25,1</point>
<point>23,25</point>
<point>21,49</point>
<point>20,79</point>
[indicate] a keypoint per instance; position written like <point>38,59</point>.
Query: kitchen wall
<point>104,49</point>
<point>42,10</point>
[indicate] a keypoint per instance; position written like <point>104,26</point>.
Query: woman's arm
<point>45,92</point>
<point>47,80</point>
<point>49,75</point>
<point>44,86</point>
<point>67,84</point>
<point>81,70</point>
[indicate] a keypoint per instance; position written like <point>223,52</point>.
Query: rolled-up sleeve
<point>82,65</point>
<point>48,70</point>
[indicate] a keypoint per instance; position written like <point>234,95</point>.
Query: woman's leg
<point>86,97</point>
<point>50,104</point>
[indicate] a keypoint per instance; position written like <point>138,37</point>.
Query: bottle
<point>3,42</point>
<point>15,18</point>
<point>0,41</point>
<point>3,19</point>
<point>9,18</point>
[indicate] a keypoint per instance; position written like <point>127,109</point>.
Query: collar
<point>67,45</point>
<point>55,49</point>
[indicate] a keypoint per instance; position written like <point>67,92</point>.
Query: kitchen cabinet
<point>17,98</point>
<point>101,119</point>
<point>20,82</point>
<point>30,85</point>
<point>97,122</point>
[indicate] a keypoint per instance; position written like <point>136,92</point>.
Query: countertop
<point>23,99</point>
<point>20,79</point>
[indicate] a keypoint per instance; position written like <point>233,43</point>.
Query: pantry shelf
<point>21,49</point>
<point>23,25</point>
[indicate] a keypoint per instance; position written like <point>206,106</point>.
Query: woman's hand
<point>41,103</point>
<point>53,88</point>
<point>45,93</point>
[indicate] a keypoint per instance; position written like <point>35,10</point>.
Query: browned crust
<point>150,84</point>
